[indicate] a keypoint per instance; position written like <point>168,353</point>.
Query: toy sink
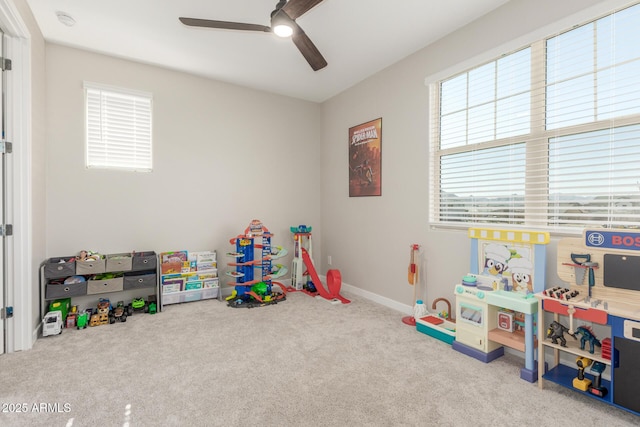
<point>437,327</point>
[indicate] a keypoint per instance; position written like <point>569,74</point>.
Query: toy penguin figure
<point>521,276</point>
<point>495,259</point>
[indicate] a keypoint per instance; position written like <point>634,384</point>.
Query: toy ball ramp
<point>334,281</point>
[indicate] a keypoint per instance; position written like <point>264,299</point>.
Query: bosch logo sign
<point>595,239</point>
<point>613,240</point>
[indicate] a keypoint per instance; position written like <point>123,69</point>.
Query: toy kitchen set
<point>596,318</point>
<point>496,304</point>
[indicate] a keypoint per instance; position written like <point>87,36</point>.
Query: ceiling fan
<point>283,24</point>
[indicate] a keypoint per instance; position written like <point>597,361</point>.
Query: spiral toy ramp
<point>334,281</point>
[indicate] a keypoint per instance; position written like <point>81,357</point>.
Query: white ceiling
<point>357,37</point>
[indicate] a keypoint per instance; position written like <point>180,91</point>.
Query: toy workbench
<point>601,291</point>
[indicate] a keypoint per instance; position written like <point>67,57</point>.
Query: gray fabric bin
<point>55,291</point>
<point>54,269</point>
<point>144,261</point>
<point>136,281</point>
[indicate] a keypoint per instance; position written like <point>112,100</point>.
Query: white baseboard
<point>387,302</point>
<point>35,334</point>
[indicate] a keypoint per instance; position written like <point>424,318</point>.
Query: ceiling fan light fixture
<point>283,30</point>
<point>281,25</point>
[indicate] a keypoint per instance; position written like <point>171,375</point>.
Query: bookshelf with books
<point>187,276</point>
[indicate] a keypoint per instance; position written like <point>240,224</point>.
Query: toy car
<point>138,304</point>
<point>152,306</point>
<point>82,320</point>
<point>101,316</point>
<point>52,323</point>
<point>119,313</point>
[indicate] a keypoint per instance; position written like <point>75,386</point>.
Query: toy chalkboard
<point>622,271</point>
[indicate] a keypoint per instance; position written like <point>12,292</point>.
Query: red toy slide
<point>334,280</point>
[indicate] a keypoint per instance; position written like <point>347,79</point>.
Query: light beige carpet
<point>302,362</point>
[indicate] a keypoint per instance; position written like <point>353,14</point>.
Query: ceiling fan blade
<point>297,8</point>
<point>226,25</point>
<point>308,49</point>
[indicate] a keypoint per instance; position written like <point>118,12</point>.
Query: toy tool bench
<point>596,318</point>
<point>495,303</point>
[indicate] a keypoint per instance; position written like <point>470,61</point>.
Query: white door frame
<point>22,329</point>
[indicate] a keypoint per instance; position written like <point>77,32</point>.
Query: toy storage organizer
<point>187,276</point>
<point>133,275</point>
<point>601,291</point>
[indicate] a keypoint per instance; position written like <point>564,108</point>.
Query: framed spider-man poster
<point>365,159</point>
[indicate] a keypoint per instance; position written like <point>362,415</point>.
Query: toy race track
<point>253,300</point>
<point>334,281</point>
<point>251,289</point>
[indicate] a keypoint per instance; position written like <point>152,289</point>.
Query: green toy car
<point>83,320</point>
<point>152,305</point>
<point>139,304</point>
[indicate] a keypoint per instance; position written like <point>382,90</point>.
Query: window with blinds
<point>118,126</point>
<point>547,136</point>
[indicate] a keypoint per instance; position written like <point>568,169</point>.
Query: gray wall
<point>369,238</point>
<point>223,155</point>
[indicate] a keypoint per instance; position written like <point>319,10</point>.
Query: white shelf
<point>573,347</point>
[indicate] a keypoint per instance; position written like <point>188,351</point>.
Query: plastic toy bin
<point>144,261</point>
<point>137,280</point>
<point>55,269</point>
<point>119,262</point>
<point>57,291</point>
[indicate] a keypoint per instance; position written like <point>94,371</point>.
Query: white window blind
<point>547,136</point>
<point>118,126</point>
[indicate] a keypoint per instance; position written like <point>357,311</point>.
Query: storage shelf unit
<point>562,374</point>
<point>135,275</point>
